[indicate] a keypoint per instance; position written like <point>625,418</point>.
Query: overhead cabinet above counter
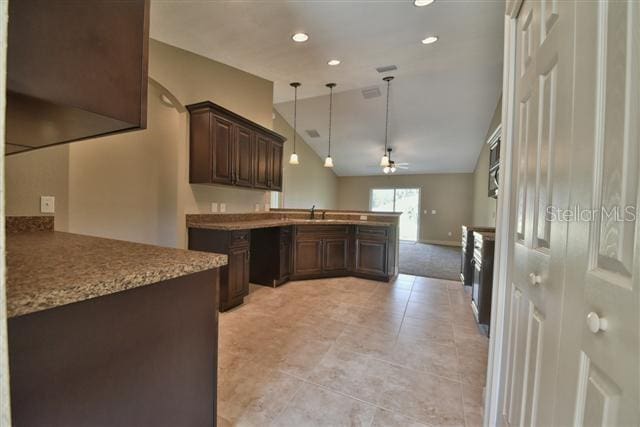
<point>226,148</point>
<point>75,70</point>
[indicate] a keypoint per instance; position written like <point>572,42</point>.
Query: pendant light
<point>328,162</point>
<point>293,160</point>
<point>384,162</point>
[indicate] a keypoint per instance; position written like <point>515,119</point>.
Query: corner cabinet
<point>228,149</point>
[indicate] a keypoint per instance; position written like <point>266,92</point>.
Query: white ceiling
<point>443,96</point>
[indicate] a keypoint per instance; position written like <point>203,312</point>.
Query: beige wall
<point>484,207</point>
<point>135,186</point>
<point>449,194</point>
<point>308,183</point>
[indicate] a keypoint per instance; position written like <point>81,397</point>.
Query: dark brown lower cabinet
<point>466,256</point>
<point>271,267</point>
<point>234,277</point>
<point>482,283</point>
<point>371,257</point>
<point>143,357</point>
<point>308,257</point>
<point>336,255</point>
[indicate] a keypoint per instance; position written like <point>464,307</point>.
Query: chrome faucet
<point>313,212</point>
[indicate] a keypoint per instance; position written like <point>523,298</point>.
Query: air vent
<point>313,133</point>
<point>372,92</point>
<point>386,68</point>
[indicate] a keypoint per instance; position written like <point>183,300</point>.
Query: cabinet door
<point>238,272</point>
<point>308,258</point>
<point>371,257</point>
<point>200,153</point>
<point>335,255</point>
<point>275,181</point>
<point>262,167</point>
<point>222,144</point>
<point>285,260</point>
<point>243,156</point>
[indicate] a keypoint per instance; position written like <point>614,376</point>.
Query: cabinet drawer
<point>240,238</point>
<point>322,230</point>
<point>372,231</point>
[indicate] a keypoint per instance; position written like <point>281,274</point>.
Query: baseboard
<point>442,242</point>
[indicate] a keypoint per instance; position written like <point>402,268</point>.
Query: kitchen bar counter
<point>268,223</point>
<point>47,269</point>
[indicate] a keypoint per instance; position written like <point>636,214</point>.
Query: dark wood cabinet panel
<point>308,257</point>
<point>371,257</point>
<point>200,155</point>
<point>336,255</point>
<point>243,174</point>
<point>275,172</point>
<point>262,163</point>
<point>234,277</point>
<point>466,256</point>
<point>70,76</point>
<point>240,152</point>
<point>482,273</point>
<point>222,141</point>
<point>272,264</point>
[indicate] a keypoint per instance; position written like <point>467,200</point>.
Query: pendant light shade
<point>384,161</point>
<point>328,162</point>
<point>293,160</point>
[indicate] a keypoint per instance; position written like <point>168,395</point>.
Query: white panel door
<point>600,356</point>
<point>544,67</point>
<point>573,333</point>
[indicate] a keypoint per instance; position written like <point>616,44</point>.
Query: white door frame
<point>505,221</point>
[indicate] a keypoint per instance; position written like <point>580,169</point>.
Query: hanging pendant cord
<point>295,117</point>
<point>386,123</point>
<point>330,112</point>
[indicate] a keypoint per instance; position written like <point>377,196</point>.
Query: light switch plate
<point>433,211</point>
<point>256,208</point>
<point>47,204</point>
<point>267,207</point>
<point>223,207</point>
<point>449,234</point>
<point>214,207</point>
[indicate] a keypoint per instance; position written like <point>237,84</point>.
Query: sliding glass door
<point>405,200</point>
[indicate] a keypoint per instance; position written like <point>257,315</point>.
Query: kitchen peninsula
<point>271,248</point>
<point>108,332</point>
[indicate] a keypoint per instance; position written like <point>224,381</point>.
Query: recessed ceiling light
<point>300,37</point>
<point>334,62</point>
<point>430,39</point>
<point>421,3</point>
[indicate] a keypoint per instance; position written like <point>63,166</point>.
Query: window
<point>405,200</point>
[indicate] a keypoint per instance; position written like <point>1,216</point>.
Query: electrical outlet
<point>363,217</point>
<point>223,207</point>
<point>267,207</point>
<point>257,207</point>
<point>47,204</point>
<point>214,207</point>
<point>449,234</point>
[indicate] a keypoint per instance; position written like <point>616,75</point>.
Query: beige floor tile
<point>366,341</point>
<point>391,419</point>
<point>295,356</point>
<point>426,355</point>
<point>429,399</point>
<point>353,374</point>
<point>316,406</point>
<point>386,322</point>
<point>473,400</point>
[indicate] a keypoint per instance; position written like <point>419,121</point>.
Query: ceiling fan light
<point>421,3</point>
<point>384,161</point>
<point>328,162</point>
<point>386,169</point>
<point>293,160</point>
<point>393,169</point>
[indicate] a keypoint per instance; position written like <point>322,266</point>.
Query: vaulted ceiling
<point>442,98</point>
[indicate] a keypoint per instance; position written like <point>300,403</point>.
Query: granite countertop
<point>275,222</point>
<point>49,269</point>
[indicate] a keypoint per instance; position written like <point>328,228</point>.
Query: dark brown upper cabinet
<point>75,70</point>
<point>226,148</point>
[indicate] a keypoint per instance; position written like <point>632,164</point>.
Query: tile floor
<point>349,351</point>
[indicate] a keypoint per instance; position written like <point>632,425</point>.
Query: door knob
<point>596,323</point>
<point>535,279</point>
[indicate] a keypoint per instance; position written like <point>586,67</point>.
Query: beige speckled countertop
<point>49,269</point>
<point>274,222</point>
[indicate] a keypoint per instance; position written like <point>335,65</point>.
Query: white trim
<point>504,231</point>
<point>441,242</point>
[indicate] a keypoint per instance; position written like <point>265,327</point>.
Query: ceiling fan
<point>393,166</point>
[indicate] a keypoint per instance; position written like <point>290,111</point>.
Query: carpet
<point>421,259</point>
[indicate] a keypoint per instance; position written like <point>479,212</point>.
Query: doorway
<point>405,200</point>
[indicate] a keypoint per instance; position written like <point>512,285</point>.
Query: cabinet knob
<point>535,279</point>
<point>596,323</point>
